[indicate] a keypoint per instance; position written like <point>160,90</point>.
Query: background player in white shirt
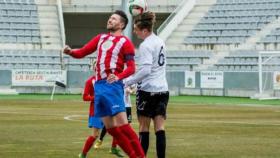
<point>152,89</point>
<point>127,101</point>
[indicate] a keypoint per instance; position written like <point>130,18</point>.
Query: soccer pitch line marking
<point>185,105</point>
<point>222,122</point>
<point>30,113</point>
<point>72,118</point>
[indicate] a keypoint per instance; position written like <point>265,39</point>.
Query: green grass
<point>222,100</point>
<point>197,127</point>
<point>40,97</point>
<point>175,99</point>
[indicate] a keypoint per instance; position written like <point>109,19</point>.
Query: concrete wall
<point>5,78</point>
<point>239,84</point>
<point>81,27</point>
<point>75,83</point>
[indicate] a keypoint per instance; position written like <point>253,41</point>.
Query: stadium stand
<point>226,26</point>
<point>272,37</point>
<point>186,60</point>
<point>41,59</point>
<point>19,22</point>
<point>232,22</point>
<point>245,60</point>
<point>50,59</point>
<point>29,24</point>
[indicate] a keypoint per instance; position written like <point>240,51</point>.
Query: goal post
<point>269,75</point>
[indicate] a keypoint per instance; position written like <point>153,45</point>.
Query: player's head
<point>117,21</point>
<point>144,24</point>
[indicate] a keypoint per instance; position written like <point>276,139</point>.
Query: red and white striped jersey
<point>113,53</point>
<point>88,94</point>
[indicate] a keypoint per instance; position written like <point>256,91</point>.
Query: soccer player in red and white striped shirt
<point>95,123</point>
<point>114,52</point>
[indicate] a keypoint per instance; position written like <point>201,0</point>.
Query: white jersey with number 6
<point>152,53</point>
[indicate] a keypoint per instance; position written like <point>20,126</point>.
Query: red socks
<point>114,143</point>
<point>122,140</point>
<point>88,144</point>
<point>125,137</point>
<point>133,138</point>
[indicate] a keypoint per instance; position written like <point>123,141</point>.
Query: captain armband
<point>128,57</point>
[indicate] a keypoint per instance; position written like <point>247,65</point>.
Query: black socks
<point>103,132</point>
<point>144,140</point>
<point>161,143</point>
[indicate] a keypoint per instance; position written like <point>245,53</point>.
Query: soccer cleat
<point>81,155</point>
<point>97,144</point>
<point>116,152</point>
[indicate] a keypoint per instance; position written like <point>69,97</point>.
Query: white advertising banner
<point>29,77</point>
<point>276,80</point>
<point>189,79</point>
<point>212,79</point>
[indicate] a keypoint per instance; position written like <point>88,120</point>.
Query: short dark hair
<point>145,21</point>
<point>123,16</point>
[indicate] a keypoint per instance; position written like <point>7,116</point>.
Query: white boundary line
<point>225,104</point>
<point>72,118</point>
<point>225,122</point>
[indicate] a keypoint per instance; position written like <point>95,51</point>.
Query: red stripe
<point>99,56</point>
<point>109,57</point>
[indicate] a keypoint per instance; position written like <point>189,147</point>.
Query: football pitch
<point>32,126</point>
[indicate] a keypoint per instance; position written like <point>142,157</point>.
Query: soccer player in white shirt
<point>152,89</point>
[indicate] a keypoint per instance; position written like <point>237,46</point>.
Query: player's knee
<point>159,126</point>
<point>144,127</point>
<point>96,132</point>
<point>159,129</point>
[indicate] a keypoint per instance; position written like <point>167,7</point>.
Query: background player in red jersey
<point>114,52</point>
<point>93,122</point>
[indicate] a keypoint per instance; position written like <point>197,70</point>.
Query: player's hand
<point>112,78</point>
<point>128,90</point>
<point>67,50</point>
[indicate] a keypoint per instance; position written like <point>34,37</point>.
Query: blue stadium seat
<point>236,19</point>
<point>17,19</point>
